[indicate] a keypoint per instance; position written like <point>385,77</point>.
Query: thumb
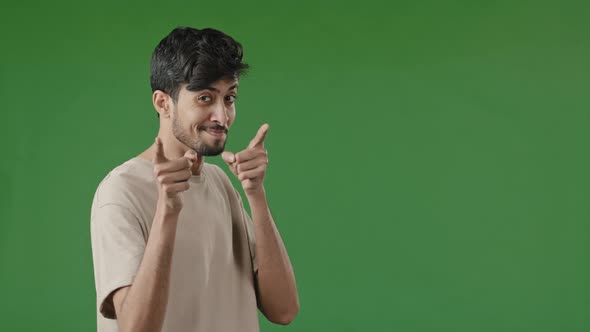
<point>159,156</point>
<point>191,155</point>
<point>228,157</point>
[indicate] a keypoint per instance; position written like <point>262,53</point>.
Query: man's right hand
<point>171,178</point>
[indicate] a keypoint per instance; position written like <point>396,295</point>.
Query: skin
<point>177,153</point>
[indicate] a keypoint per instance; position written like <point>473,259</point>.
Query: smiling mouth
<point>216,132</point>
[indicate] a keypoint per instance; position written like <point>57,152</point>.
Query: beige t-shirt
<point>214,260</point>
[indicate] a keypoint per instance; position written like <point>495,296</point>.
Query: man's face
<point>201,119</point>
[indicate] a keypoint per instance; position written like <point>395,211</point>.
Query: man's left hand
<point>250,164</point>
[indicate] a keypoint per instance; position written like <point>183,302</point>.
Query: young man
<point>173,247</point>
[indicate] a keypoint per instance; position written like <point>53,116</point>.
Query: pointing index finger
<point>258,140</point>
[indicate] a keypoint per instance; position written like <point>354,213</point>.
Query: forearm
<point>276,280</point>
<point>144,306</point>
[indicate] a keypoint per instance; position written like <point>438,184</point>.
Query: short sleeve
<point>118,245</point>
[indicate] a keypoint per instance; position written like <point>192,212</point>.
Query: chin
<point>211,150</point>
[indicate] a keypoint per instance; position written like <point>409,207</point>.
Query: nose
<point>220,114</point>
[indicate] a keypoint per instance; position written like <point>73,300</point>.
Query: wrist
<point>167,211</point>
<point>256,194</point>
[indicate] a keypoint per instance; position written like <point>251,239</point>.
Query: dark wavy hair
<point>196,58</point>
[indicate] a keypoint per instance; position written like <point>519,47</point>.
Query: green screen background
<point>428,159</point>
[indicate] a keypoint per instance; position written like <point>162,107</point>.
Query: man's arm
<point>277,290</point>
<point>142,306</point>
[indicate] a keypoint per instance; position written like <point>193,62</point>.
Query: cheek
<point>195,118</point>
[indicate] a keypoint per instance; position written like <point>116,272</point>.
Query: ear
<point>161,101</point>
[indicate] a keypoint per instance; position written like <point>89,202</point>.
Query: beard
<point>197,144</point>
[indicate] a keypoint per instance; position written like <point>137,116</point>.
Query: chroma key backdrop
<point>429,160</point>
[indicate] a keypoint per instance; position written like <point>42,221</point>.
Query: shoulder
<point>124,182</point>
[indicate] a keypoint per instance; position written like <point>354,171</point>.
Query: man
<point>173,247</point>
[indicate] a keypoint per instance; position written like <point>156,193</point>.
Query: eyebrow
<point>217,90</point>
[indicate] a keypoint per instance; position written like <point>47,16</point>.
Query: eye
<point>204,98</point>
<point>231,98</point>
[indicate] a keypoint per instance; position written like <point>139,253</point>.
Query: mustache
<point>214,127</point>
